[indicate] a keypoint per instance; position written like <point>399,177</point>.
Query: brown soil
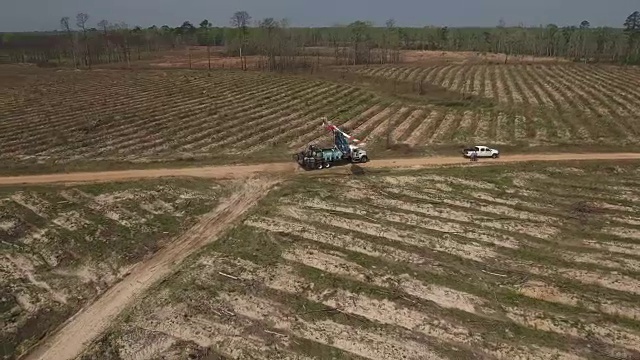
<point>69,341</point>
<point>71,338</point>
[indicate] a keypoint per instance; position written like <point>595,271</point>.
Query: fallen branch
<point>370,218</point>
<point>484,271</point>
<point>407,299</point>
<point>229,276</point>
<point>228,312</point>
<point>275,333</point>
<point>319,310</point>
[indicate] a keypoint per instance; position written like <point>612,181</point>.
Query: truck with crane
<point>342,152</point>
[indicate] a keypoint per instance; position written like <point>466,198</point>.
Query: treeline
<point>283,47</point>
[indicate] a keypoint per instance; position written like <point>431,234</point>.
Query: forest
<point>81,42</point>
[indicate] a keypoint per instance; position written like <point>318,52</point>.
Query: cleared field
<point>555,102</point>
<point>66,118</point>
<point>527,261</point>
<point>115,115</point>
<point>61,247</point>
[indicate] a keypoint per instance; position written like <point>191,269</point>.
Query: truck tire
<point>327,165</point>
<point>364,159</point>
<point>319,166</point>
<point>495,156</point>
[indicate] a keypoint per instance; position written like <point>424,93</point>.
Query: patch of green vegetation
<point>250,244</point>
<point>321,351</point>
<point>102,243</point>
<point>106,348</point>
<point>38,325</point>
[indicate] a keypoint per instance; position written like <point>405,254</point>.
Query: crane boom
<point>340,138</point>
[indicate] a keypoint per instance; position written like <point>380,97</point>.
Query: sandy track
<point>88,324</point>
<point>240,171</point>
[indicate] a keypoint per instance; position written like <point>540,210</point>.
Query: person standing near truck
<point>474,155</point>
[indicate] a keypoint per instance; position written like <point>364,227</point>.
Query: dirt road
<point>239,171</point>
<point>87,325</point>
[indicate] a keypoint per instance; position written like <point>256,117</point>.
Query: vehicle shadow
<point>357,170</point>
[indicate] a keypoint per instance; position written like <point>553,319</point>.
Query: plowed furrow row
<point>28,122</point>
<point>137,98</point>
<point>467,126</point>
<point>356,105</point>
<point>500,90</point>
<point>238,105</point>
<point>56,120</point>
<point>619,128</point>
<point>405,73</point>
<point>247,113</point>
<point>285,226</point>
<point>540,89</point>
<point>449,77</point>
<point>337,265</point>
<point>437,234</point>
<point>435,77</point>
<point>363,130</point>
<point>284,278</point>
<point>303,122</point>
<point>445,130</point>
<point>377,71</point>
<point>316,134</point>
<point>552,113</point>
<point>469,80</point>
<point>514,93</point>
<point>442,77</point>
<point>424,130</point>
<point>327,96</point>
<point>431,74</point>
<point>618,79</point>
<point>383,132</point>
<point>478,81</point>
<point>114,131</point>
<point>413,74</point>
<point>505,128</point>
<point>522,88</point>
<point>571,111</point>
<point>164,131</point>
<point>403,130</point>
<point>119,137</point>
<point>601,89</point>
<point>393,72</point>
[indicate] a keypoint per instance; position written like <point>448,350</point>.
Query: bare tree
<point>393,39</point>
<point>269,25</point>
<point>205,36</point>
<point>81,22</point>
<point>240,20</point>
<point>64,23</point>
<point>104,25</point>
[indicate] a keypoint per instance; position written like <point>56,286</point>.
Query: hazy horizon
<point>41,15</point>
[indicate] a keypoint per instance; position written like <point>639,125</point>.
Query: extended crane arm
<point>340,138</point>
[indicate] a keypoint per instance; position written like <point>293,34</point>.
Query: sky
<point>28,15</point>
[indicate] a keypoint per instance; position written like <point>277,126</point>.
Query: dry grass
<point>142,116</point>
<point>65,118</point>
<point>60,247</point>
<point>536,262</point>
<point>536,103</point>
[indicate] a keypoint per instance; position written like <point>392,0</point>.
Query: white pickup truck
<point>481,151</point>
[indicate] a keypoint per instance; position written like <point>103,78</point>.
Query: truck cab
<point>357,154</point>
